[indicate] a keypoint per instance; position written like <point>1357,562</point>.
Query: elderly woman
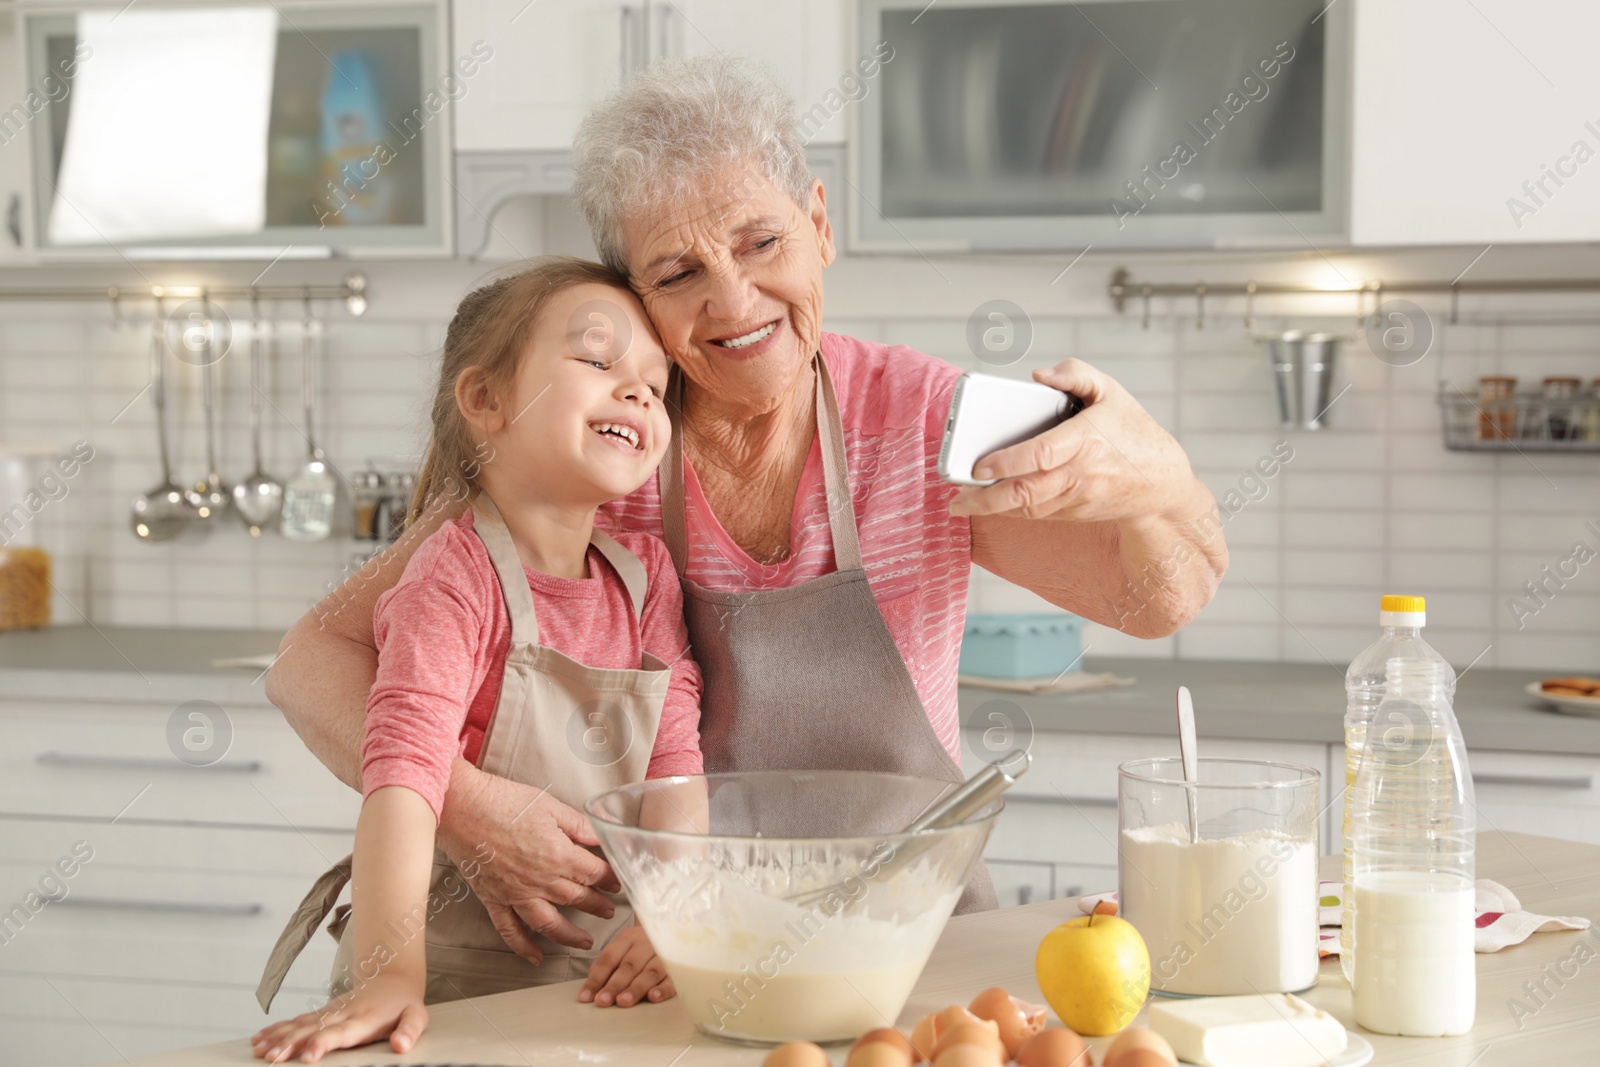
<point>824,564</point>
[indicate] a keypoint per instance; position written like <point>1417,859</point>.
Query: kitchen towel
<point>1069,682</point>
<point>1500,919</point>
<point>168,130</point>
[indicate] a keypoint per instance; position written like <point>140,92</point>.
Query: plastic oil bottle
<point>1402,619</point>
<point>1414,829</point>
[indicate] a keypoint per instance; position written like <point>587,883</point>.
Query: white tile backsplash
<point>1373,504</point>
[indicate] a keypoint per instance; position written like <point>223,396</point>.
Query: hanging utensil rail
<point>1123,288</point>
<point>353,291</point>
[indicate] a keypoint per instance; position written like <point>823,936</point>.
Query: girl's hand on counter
<point>387,1006</point>
<point>627,972</point>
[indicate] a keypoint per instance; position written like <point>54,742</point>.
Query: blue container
<point>1021,646</point>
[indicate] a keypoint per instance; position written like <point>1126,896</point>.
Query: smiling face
<point>583,420</point>
<point>733,282</point>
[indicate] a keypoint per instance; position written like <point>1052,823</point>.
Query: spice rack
<point>1522,421</point>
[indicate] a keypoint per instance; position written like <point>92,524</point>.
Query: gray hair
<point>671,127</point>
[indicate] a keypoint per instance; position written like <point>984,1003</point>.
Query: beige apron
<point>574,730</point>
<point>807,677</point>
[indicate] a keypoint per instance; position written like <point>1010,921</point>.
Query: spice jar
<point>24,588</point>
<point>1561,408</point>
<point>1497,408</point>
<point>25,492</point>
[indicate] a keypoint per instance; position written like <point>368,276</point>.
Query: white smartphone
<point>989,413</point>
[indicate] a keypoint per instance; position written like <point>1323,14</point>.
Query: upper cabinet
<point>551,61</point>
<point>1475,123</point>
<point>14,123</point>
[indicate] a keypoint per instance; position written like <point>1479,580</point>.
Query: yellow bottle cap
<point>1404,603</point>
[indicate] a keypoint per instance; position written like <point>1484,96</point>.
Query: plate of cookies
<point>1575,695</point>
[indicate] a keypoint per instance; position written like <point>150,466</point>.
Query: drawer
<point>151,925</point>
<point>1056,831</point>
<point>1084,766</point>
<point>1017,883</point>
<point>1079,879</point>
<point>226,1010</point>
<point>37,843</point>
<point>96,761</point>
<point>56,1043</point>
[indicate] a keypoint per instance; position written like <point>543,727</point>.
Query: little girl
<point>520,638</point>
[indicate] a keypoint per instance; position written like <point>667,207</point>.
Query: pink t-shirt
<point>443,633</point>
<point>893,402</point>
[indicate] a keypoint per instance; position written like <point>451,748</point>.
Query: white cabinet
<point>543,66</point>
<point>553,60</point>
<point>17,112</point>
<point>140,896</point>
<point>1474,123</point>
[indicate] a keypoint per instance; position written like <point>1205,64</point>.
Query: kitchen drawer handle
<point>1574,782</point>
<point>1065,801</point>
<point>74,759</point>
<point>178,907</point>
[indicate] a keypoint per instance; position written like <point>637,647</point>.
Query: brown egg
<point>980,1032</point>
<point>925,1035</point>
<point>968,1056</point>
<point>1140,1038</point>
<point>885,1035</point>
<point>1055,1047</point>
<point>1143,1057</point>
<point>796,1054</point>
<point>1017,1020</point>
<point>879,1054</point>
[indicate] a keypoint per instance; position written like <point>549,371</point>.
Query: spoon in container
<point>160,514</point>
<point>1189,754</point>
<point>259,498</point>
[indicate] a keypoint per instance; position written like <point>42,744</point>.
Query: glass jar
<point>1497,408</point>
<point>1591,412</point>
<point>1237,910</point>
<point>1561,416</point>
<point>24,588</point>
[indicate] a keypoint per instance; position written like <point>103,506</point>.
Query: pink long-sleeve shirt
<point>443,633</point>
<point>893,402</point>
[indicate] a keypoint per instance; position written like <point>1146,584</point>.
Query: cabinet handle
<point>176,907</point>
<point>75,759</point>
<point>14,219</point>
<point>625,54</point>
<point>1577,781</point>
<point>665,45</point>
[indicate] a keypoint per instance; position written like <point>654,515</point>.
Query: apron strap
<point>301,926</point>
<point>835,476</point>
<point>628,566</point>
<point>491,528</point>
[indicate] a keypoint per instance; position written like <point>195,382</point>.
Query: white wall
<point>1373,505</point>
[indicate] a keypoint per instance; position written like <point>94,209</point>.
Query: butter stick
<point>1267,1030</point>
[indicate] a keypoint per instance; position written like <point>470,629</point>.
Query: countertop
<point>132,663</point>
<point>1285,702</point>
<point>547,1026</point>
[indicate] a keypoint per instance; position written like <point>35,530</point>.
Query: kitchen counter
<point>1284,702</point>
<point>132,663</point>
<point>547,1025</point>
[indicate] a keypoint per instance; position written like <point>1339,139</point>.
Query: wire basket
<point>1525,422</point>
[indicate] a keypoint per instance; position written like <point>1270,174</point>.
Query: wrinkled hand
<point>1110,462</point>
<point>626,972</point>
<point>520,851</point>
<point>387,1006</point>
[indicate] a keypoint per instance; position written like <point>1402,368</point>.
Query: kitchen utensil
<point>309,498</point>
<point>1570,705</point>
<point>709,886</point>
<point>210,499</point>
<point>259,498</point>
<point>952,809</point>
<point>1238,910</point>
<point>1189,752</point>
<point>1303,365</point>
<point>161,513</point>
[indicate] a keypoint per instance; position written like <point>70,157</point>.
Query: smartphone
<point>989,413</point>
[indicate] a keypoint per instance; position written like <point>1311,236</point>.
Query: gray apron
<point>807,677</point>
<point>573,730</point>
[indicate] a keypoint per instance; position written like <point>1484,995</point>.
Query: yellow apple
<point>1095,972</point>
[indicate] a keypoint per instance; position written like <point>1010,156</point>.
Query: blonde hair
<point>491,329</point>
<point>657,138</point>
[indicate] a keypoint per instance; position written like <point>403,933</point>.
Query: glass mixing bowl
<point>786,905</point>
